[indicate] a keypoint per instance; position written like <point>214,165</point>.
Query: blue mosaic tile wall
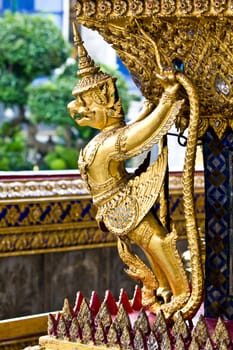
<point>218,206</point>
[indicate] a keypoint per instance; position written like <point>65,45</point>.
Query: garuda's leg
<point>160,248</point>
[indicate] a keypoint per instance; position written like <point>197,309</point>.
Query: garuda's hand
<point>168,80</point>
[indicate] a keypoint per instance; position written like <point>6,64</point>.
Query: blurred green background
<point>37,74</point>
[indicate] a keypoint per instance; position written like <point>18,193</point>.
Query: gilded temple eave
<point>193,36</point>
<point>165,8</point>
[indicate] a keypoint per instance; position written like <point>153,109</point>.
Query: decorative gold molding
<point>55,240</point>
<point>47,215</point>
<point>45,187</point>
<point>41,214</point>
<point>219,123</point>
<point>178,8</point>
<point>65,187</point>
<point>194,36</point>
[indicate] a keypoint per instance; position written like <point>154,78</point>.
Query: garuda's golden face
<point>87,112</point>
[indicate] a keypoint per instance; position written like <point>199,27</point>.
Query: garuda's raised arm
<point>152,123</point>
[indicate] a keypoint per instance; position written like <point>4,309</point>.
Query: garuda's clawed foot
<point>170,308</point>
<point>149,298</point>
<point>164,294</point>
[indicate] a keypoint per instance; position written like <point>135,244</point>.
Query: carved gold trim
<point>32,188</point>
<point>218,123</point>
<point>42,215</point>
<point>194,36</point>
<point>20,249</point>
<point>47,213</point>
<point>65,187</point>
<point>161,8</point>
<point>52,237</point>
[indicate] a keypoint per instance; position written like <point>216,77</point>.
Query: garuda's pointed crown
<point>89,74</point>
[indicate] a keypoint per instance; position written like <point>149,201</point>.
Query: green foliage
<point>48,102</point>
<point>12,89</point>
<point>30,46</point>
<point>12,148</point>
<point>62,158</point>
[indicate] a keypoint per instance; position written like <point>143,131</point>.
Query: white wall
<point>97,48</point>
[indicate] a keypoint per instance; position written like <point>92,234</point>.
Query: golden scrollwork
<point>24,189</point>
<point>54,240</point>
<point>64,230</point>
<point>194,36</point>
<point>179,8</point>
<point>41,216</point>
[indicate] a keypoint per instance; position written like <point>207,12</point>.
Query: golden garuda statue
<point>124,201</point>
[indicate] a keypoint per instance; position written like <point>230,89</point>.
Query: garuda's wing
<point>146,187</point>
<point>127,208</point>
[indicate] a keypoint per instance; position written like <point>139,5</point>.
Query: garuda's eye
<point>76,116</point>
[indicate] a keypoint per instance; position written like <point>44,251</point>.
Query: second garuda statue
<point>123,200</point>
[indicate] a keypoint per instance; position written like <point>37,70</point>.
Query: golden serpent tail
<point>195,299</point>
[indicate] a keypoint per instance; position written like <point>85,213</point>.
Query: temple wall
<point>51,247</point>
